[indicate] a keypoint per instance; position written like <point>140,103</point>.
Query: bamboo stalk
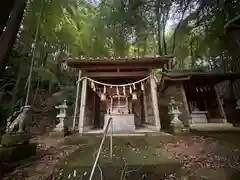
<point>33,55</point>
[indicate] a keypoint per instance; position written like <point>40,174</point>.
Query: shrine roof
<point>205,77</point>
<point>127,62</point>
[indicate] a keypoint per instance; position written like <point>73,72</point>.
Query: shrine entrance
<point>124,89</point>
<point>203,103</point>
<point>123,103</point>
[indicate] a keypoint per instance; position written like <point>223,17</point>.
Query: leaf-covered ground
<point>49,152</point>
<point>144,157</point>
<point>200,154</point>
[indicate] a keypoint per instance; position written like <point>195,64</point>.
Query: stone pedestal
<point>61,125</point>
<point>14,148</point>
<point>176,124</point>
<point>15,139</point>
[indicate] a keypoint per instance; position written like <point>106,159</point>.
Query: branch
<point>179,23</point>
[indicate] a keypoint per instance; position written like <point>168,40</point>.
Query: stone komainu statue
<point>19,120</point>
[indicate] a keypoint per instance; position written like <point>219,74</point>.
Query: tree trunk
<point>191,54</point>
<point>144,47</point>
<point>8,37</point>
<point>5,12</point>
<point>158,18</point>
<point>16,89</point>
<point>164,42</point>
<point>164,22</point>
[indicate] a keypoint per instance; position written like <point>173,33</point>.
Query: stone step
<point>213,127</point>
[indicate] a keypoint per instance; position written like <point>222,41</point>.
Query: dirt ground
<point>50,151</point>
<point>199,157</point>
<point>199,153</point>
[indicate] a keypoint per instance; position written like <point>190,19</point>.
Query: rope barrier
<point>117,85</point>
<point>80,79</point>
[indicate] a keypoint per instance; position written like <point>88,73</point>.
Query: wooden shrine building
<point>123,88</point>
<point>128,90</point>
<point>202,95</point>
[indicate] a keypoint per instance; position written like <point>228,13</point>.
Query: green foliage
<point>65,93</point>
<point>72,28</point>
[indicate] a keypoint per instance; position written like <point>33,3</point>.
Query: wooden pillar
<point>222,112</point>
<point>185,102</point>
<point>145,106</point>
<point>111,110</point>
<point>82,106</point>
<point>76,101</point>
<point>131,106</point>
<point>153,86</point>
<point>94,109</point>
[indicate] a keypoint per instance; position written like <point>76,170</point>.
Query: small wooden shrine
<point>123,88</point>
<point>202,95</point>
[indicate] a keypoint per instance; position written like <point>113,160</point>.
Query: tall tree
<point>5,13</point>
<point>9,35</point>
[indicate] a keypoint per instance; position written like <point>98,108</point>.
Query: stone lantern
<point>62,117</point>
<point>174,112</point>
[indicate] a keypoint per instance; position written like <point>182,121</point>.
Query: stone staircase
<point>214,127</point>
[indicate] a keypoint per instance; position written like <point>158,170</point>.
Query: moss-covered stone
<point>17,153</point>
<point>13,156</point>
<point>15,139</point>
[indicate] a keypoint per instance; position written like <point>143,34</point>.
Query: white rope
<point>80,79</point>
<point>117,85</point>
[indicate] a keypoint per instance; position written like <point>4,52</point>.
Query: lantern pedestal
<point>176,124</point>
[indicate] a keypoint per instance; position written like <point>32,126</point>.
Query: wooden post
<point>94,109</point>
<point>76,101</point>
<point>153,86</point>
<point>145,106</point>
<point>111,110</point>
<point>185,100</point>
<point>222,112</point>
<point>111,140</point>
<point>82,106</point>
<point>130,106</point>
